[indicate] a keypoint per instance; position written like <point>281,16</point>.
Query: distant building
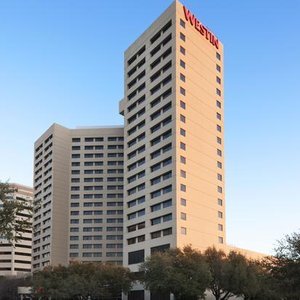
<point>16,260</point>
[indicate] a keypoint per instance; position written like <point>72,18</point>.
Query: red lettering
<point>216,42</point>
<point>206,32</point>
<point>197,25</point>
<point>200,28</point>
<point>189,16</point>
<point>211,38</point>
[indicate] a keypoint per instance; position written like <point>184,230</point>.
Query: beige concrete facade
<point>15,260</point>
<point>174,138</point>
<point>173,111</point>
<point>78,205</point>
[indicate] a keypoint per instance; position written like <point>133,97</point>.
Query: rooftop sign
<point>201,28</point>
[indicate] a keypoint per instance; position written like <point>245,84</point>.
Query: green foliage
<point>11,228</point>
<point>9,286</point>
<point>181,272</point>
<point>187,274</point>
<point>235,275</point>
<point>260,284</point>
<point>285,267</point>
<point>219,269</point>
<point>81,280</point>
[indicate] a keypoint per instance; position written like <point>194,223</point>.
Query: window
<point>74,229</point>
<point>220,214</point>
<point>182,159</point>
<point>182,23</point>
<point>182,64</point>
<point>182,132</point>
<point>220,190</point>
<point>136,257</point>
<point>219,128</point>
<point>182,146</point>
<point>182,91</point>
<point>218,68</point>
<point>135,56</point>
<point>218,79</point>
<point>161,164</point>
<point>218,55</point>
<point>160,32</point>
<point>76,140</point>
<point>218,92</point>
<point>219,117</point>
<point>161,191</point>
<point>219,176</point>
<point>160,178</point>
<point>220,227</point>
<point>161,219</point>
<point>182,77</point>
<point>221,241</point>
<point>183,216</point>
<point>183,230</point>
<point>167,231</point>
<point>182,104</point>
<point>183,187</point>
<point>219,164</point>
<point>182,118</point>
<point>182,36</point>
<point>183,173</point>
<point>167,218</point>
<point>219,140</point>
<point>156,234</point>
<point>183,202</point>
<point>220,202</point>
<point>218,103</point>
<point>182,50</point>
<point>161,205</point>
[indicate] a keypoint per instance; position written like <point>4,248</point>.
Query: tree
<point>183,273</point>
<point>81,281</point>
<point>235,275</point>
<point>260,284</point>
<point>228,273</point>
<point>9,286</point>
<point>12,221</point>
<point>285,266</point>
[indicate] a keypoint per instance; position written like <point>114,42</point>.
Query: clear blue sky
<point>62,61</point>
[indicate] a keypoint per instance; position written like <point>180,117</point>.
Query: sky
<point>62,61</point>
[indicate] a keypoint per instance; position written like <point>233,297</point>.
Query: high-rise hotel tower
<point>173,133</point>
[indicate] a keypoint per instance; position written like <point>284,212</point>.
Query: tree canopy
<point>81,281</point>
<point>188,274</point>
<point>183,273</point>
<point>228,273</point>
<point>12,219</point>
<point>284,267</point>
